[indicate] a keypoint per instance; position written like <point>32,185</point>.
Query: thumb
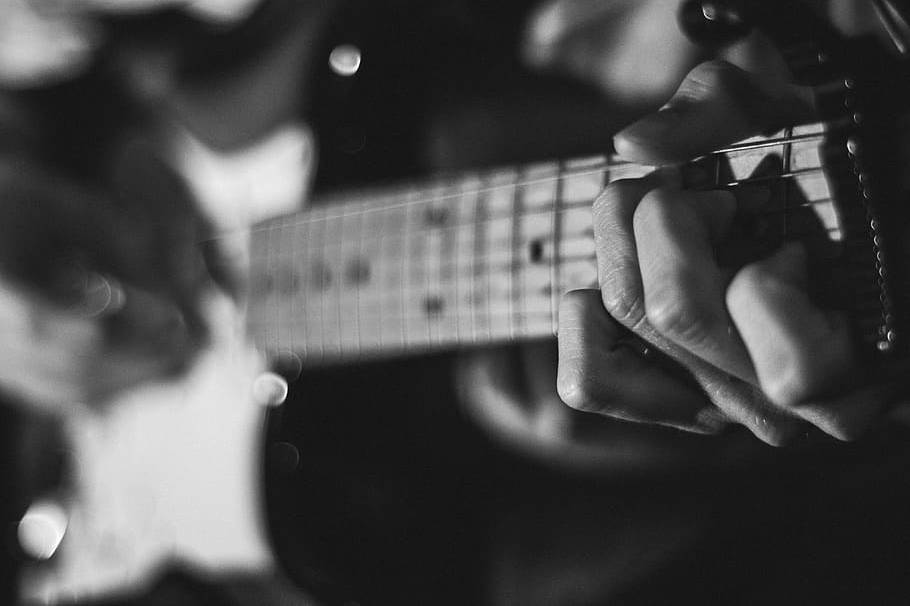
<point>716,104</point>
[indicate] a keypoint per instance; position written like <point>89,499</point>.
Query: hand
<point>760,352</point>
<point>102,290</point>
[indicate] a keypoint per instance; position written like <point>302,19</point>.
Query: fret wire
<point>557,238</point>
<point>453,248</point>
<point>286,307</point>
<point>586,171</point>
<point>480,248</point>
<point>405,252</point>
<point>270,264</point>
<point>376,274</point>
<point>788,148</point>
<point>280,278</point>
<point>339,239</point>
<point>456,246</point>
<point>472,263</point>
<point>428,259</point>
<point>405,273</point>
<point>315,233</point>
<point>514,298</point>
<point>717,167</point>
<point>299,237</point>
<point>361,219</point>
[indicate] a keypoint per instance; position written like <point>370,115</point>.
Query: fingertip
<point>710,421</point>
<point>776,433</point>
<point>644,141</point>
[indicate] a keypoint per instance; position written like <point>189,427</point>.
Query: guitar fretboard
<point>472,259</point>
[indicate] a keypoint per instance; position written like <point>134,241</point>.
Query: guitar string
<point>607,162</point>
<point>324,212</point>
<point>409,236</point>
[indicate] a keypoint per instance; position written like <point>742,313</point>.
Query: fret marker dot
<point>358,272</point>
<point>289,281</point>
<point>535,251</point>
<point>436,217</point>
<point>433,306</point>
<point>321,277</point>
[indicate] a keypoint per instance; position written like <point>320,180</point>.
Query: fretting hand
<point>764,355</point>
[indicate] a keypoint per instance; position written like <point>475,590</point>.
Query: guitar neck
<point>472,259</point>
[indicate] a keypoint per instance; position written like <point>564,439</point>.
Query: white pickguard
<point>170,471</point>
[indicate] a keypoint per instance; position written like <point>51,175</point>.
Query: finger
<point>849,416</point>
<point>715,105</point>
<point>623,297</point>
<point>596,374</point>
<point>801,354</point>
<point>683,286</point>
<point>617,256</point>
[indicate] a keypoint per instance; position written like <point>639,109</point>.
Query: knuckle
<point>616,190</point>
<point>625,305</point>
<point>678,319</point>
<point>752,277</point>
<point>792,383</point>
<point>576,308</point>
<point>659,209</point>
<point>657,202</point>
<point>575,302</point>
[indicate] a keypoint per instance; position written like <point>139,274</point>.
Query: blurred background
<point>389,482</point>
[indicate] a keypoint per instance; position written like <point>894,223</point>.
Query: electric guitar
<point>483,257</point>
<point>472,260</point>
